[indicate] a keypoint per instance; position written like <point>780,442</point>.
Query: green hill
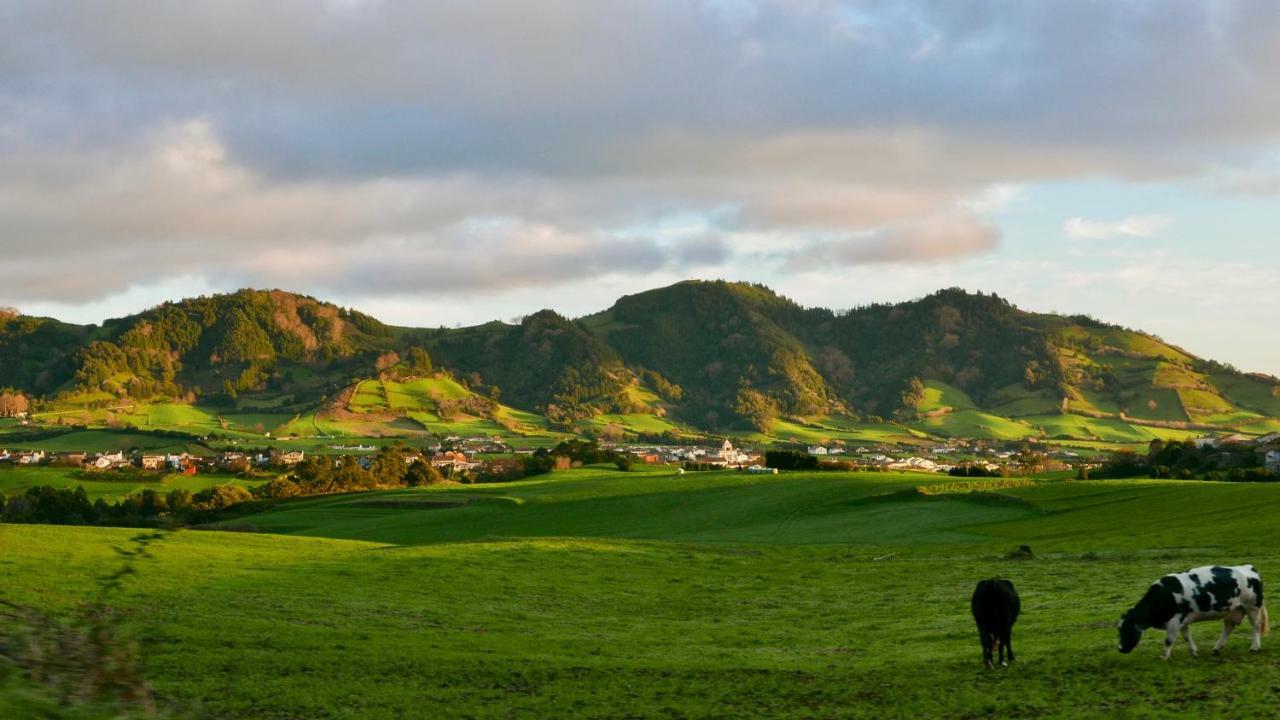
<point>695,357</point>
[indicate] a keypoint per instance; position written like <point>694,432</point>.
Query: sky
<point>452,162</point>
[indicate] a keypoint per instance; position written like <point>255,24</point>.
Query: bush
<point>790,460</point>
<point>221,497</point>
<point>278,489</point>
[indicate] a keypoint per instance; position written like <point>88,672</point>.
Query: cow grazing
<point>1205,593</point>
<point>995,606</point>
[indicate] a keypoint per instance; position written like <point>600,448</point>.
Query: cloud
<point>708,250</point>
<point>479,146</point>
<point>944,237</point>
<point>1138,226</point>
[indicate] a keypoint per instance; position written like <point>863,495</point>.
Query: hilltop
<point>692,358</point>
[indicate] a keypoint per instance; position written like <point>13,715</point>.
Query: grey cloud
<point>376,88</point>
<point>255,142</point>
<point>703,251</point>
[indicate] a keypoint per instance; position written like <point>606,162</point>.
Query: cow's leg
<point>1171,634</point>
<point>1008,644</point>
<point>1228,625</point>
<point>1191,643</point>
<point>987,640</point>
<point>1256,624</point>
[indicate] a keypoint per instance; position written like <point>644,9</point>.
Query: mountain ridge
<point>709,354</point>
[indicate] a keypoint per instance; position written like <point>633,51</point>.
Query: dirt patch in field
<point>229,527</point>
<point>414,504</point>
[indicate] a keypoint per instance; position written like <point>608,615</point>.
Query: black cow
<point>995,608</point>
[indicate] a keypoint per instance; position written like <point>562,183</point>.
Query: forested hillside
<point>712,355</point>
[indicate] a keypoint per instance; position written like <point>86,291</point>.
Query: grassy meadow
<point>113,486</point>
<point>596,593</point>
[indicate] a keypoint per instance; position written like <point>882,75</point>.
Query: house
<point>915,463</point>
<point>1269,457</point>
<point>289,457</point>
<point>177,463</point>
<point>1215,441</point>
<point>151,462</point>
<point>817,450</point>
<point>231,461</point>
<point>31,458</point>
<point>1269,439</point>
<point>453,460</point>
<point>70,459</point>
<point>106,461</point>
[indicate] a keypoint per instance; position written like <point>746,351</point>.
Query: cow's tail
<point>1263,621</point>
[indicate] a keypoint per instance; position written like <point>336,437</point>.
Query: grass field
<point>100,441</point>
<point>16,480</point>
<point>601,594</point>
<point>975,423</point>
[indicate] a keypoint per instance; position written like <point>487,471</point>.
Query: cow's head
<point>1130,632</point>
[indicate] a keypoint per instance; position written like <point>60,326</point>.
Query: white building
<point>1272,460</point>
<point>31,458</point>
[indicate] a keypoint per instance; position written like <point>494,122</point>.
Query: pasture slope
<point>599,594</point>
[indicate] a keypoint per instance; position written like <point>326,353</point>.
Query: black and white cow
<point>1204,593</point>
<point>995,606</point>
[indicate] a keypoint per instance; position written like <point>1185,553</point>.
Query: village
<point>455,456</point>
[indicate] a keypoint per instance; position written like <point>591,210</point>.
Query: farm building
<point>289,457</point>
<point>151,462</point>
<point>1271,459</point>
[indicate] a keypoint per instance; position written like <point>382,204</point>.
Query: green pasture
<point>1015,401</point>
<point>601,594</point>
<point>108,485</point>
<point>1250,392</point>
<point>975,423</point>
<point>106,441</point>
<point>939,395</point>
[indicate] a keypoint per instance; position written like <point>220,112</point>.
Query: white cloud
<point>949,236</point>
<point>993,199</point>
<point>1138,226</point>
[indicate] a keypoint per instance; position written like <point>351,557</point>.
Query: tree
<point>913,393</point>
<point>756,408</point>
<point>179,500</point>
<point>278,489</point>
<point>417,361</point>
<point>389,466</point>
<point>221,497</point>
<point>385,361</point>
<point>422,473</point>
<point>13,403</point>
